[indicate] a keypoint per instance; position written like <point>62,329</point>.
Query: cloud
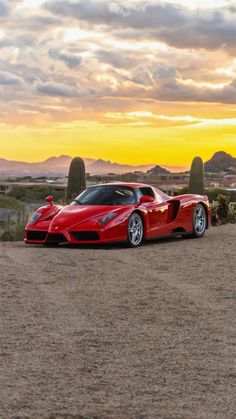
<point>38,22</point>
<point>114,55</point>
<point>141,76</point>
<point>170,23</point>
<point>28,73</point>
<point>174,90</point>
<point>164,72</point>
<point>72,61</point>
<point>139,15</point>
<point>4,8</point>
<point>19,41</point>
<point>9,79</point>
<point>52,88</point>
<point>117,58</point>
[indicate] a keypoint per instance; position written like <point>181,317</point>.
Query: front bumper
<point>84,235</point>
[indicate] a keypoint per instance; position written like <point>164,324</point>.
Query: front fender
<point>48,212</point>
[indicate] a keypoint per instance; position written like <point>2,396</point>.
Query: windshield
<point>106,195</point>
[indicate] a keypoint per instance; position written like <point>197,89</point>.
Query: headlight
<point>108,217</point>
<point>34,217</point>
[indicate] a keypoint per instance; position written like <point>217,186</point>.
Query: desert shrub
<point>59,196</point>
<point>222,210</point>
<point>232,212</point>
<point>15,230</point>
<point>183,190</point>
<point>214,213</point>
<point>10,202</point>
<point>214,193</point>
<point>37,193</point>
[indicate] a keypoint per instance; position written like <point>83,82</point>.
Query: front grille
<point>37,235</point>
<point>56,238</point>
<point>85,235</point>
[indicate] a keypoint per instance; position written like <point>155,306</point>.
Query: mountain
<point>158,170</point>
<point>102,167</point>
<point>220,162</point>
<point>59,166</point>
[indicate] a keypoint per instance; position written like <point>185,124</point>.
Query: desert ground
<point>111,332</point>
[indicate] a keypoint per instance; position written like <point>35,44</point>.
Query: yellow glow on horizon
<point>136,143</point>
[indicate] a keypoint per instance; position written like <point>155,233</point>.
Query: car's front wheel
<point>135,230</point>
<point>199,221</point>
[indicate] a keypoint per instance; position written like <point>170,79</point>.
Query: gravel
<point>110,332</point>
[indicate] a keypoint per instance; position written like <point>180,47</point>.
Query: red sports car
<point>113,212</point>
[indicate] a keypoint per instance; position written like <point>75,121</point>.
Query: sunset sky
<point>126,80</point>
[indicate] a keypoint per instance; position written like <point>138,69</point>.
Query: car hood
<point>77,214</point>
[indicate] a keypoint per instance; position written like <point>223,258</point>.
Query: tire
<point>199,221</point>
<point>135,230</point>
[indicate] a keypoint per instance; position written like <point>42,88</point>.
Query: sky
<point>129,81</point>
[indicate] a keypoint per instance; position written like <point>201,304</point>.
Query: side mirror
<point>49,199</point>
<point>145,199</point>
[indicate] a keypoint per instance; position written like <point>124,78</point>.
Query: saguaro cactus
<point>76,178</point>
<point>196,180</point>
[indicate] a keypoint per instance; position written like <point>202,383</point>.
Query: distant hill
<point>59,166</point>
<point>158,170</point>
<point>220,162</point>
<point>103,167</point>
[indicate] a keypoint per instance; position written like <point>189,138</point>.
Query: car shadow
<point>110,246</point>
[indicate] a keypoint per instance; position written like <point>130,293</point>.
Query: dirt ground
<point>118,333</point>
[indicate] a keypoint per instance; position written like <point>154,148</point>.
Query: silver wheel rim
<point>200,220</point>
<point>135,230</point>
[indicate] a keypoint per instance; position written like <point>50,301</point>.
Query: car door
<point>157,212</point>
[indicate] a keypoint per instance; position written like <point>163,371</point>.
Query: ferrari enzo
<point>113,212</point>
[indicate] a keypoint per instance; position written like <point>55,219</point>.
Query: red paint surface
<point>159,218</point>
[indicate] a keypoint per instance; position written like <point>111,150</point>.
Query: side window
<point>147,191</point>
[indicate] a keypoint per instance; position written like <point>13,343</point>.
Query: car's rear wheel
<point>199,221</point>
<point>135,230</point>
